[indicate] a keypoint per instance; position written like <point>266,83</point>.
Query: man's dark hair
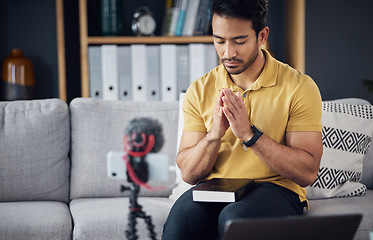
<point>253,10</point>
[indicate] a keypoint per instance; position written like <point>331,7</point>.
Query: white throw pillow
<point>346,134</point>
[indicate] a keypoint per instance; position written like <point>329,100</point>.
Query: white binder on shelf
<point>182,68</point>
<point>196,61</point>
<point>95,73</point>
<point>124,73</point>
<point>109,57</point>
<point>168,72</point>
<point>211,57</point>
<point>138,72</point>
<point>153,71</point>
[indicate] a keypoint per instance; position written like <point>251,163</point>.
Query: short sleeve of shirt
<point>305,111</point>
<point>193,121</point>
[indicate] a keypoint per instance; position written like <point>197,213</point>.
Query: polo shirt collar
<point>267,78</point>
<point>223,80</point>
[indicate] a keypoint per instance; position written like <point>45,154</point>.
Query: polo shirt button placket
<point>245,97</point>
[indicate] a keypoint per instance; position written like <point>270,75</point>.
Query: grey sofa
<point>53,172</point>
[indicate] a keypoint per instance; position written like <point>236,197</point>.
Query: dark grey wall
<point>31,25</point>
<point>72,46</point>
<point>276,24</point>
<point>339,46</point>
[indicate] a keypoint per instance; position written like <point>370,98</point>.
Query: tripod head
<point>139,145</point>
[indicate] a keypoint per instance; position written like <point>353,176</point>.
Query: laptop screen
<point>341,227</point>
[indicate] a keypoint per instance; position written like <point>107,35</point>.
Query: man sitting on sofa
<point>251,117</point>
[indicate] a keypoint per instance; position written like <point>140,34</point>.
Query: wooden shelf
<point>61,51</point>
<point>149,40</point>
<point>295,38</point>
<point>86,40</point>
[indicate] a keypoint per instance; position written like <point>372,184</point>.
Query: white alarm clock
<point>143,23</point>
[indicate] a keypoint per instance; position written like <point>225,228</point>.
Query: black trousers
<point>192,220</point>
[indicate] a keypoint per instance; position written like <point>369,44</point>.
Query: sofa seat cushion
<point>35,220</point>
<point>332,206</point>
<point>106,218</point>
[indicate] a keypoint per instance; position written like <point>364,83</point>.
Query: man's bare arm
<point>197,155</point>
<point>298,161</point>
<point>198,150</point>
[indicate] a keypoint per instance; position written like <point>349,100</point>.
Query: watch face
<point>146,24</point>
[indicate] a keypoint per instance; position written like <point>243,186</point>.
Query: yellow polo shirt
<point>281,100</point>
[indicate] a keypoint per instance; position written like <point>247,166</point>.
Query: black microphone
<point>142,135</point>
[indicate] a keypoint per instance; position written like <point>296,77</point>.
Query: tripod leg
<point>131,232</point>
<point>136,211</point>
<point>149,225</point>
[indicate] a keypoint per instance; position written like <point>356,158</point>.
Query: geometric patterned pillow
<point>346,136</point>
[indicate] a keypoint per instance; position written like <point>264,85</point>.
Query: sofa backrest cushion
<point>367,176</point>
<point>34,148</point>
<point>97,127</point>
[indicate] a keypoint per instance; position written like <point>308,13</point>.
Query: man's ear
<point>263,36</point>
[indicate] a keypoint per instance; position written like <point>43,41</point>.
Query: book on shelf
<point>176,6</point>
<point>181,18</point>
<point>167,18</point>
<point>187,18</point>
<point>190,19</point>
<point>222,189</point>
<point>203,26</point>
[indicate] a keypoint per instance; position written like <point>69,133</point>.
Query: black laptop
<point>341,227</point>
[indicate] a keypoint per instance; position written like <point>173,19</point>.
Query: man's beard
<point>240,69</point>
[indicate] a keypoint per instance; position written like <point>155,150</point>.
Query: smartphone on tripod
<point>158,166</point>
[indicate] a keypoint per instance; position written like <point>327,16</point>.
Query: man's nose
<point>230,51</point>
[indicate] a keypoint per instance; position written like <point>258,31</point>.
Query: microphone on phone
<point>139,129</point>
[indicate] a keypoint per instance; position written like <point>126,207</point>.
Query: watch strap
<point>256,136</point>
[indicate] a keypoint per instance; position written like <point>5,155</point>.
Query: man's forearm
<point>296,164</point>
<point>197,162</point>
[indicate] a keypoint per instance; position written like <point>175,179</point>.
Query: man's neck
<point>251,74</point>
